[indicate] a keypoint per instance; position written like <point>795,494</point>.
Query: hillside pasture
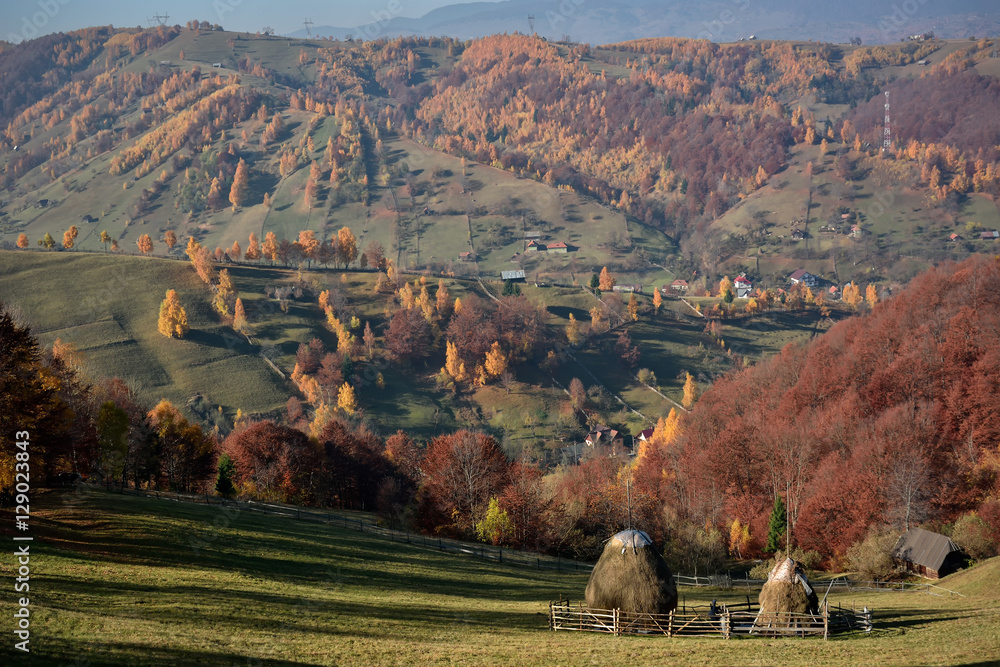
<point>124,580</point>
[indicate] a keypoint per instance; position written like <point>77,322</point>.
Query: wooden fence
<point>840,583</point>
<point>722,622</point>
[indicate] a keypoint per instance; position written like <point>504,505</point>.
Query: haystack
<point>787,590</point>
<point>632,576</point>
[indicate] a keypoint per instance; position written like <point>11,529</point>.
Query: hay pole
<point>827,592</point>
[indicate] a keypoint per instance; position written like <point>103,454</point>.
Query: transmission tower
<point>308,24</point>
<point>531,24</point>
<point>158,19</point>
<point>887,132</point>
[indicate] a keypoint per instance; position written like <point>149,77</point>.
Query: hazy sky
<point>30,18</point>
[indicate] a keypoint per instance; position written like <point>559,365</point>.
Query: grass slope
<point>119,581</point>
<point>108,307</point>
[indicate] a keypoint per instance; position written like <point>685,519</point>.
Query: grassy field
<point>107,307</point>
<point>118,580</point>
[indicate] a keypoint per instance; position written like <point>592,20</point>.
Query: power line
<point>887,132</point>
<point>158,19</point>
<point>308,24</point>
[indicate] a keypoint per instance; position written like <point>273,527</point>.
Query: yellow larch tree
<point>347,247</point>
<point>453,364</point>
<point>253,250</point>
<point>270,248</point>
<point>871,295</point>
<point>573,331</point>
<point>690,392</point>
<point>240,317</point>
<point>852,295</point>
<point>346,399</point>
<point>443,299</point>
<point>173,322</point>
<point>241,182</point>
<point>606,281</point>
<point>657,300</point>
<point>496,361</point>
<point>633,307</point>
<point>145,244</point>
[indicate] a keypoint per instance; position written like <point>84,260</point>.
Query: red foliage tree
<point>461,472</point>
<point>409,335</point>
<point>274,461</point>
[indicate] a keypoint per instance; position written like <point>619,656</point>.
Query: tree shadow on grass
<point>229,340</point>
<point>56,650</point>
<point>355,558</point>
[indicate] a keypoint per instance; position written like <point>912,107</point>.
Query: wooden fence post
<point>725,625</point>
<point>670,624</point>
<point>614,622</point>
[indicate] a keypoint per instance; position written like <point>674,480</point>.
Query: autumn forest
<point>516,226</point>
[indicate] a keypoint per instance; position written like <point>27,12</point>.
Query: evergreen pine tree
<point>224,479</point>
<point>776,526</point>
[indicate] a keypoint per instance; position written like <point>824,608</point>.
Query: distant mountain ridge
<point>874,21</point>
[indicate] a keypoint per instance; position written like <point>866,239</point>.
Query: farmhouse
<point>558,246</point>
<point>534,246</point>
<point>466,256</point>
<point>644,435</point>
<point>743,286</point>
<point>515,275</point>
<point>989,236</point>
<point>954,237</point>
<point>804,277</point>
<point>928,554</point>
<point>604,435</point>
<point>679,286</point>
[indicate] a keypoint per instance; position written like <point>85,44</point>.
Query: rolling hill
<point>193,584</point>
<point>875,23</point>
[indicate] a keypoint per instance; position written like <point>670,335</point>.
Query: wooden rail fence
<point>722,622</point>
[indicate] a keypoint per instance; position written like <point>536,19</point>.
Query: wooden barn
<point>928,554</point>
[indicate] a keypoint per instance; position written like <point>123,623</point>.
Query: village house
<point>644,435</point>
<point>534,246</point>
<point>558,246</point>
<point>679,286</point>
<point>743,286</point>
<point>466,256</point>
<point>989,236</point>
<point>603,435</point>
<point>804,277</point>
